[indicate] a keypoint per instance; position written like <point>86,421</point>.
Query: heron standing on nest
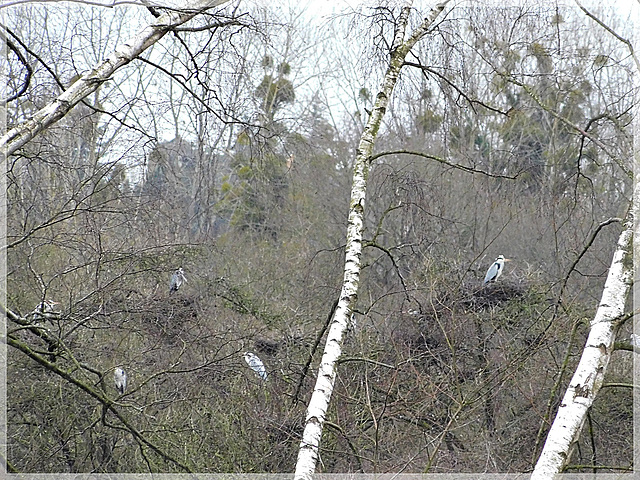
<point>495,270</point>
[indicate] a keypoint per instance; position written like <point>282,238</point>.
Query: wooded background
<point>227,150</point>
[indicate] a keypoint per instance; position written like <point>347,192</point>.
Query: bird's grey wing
<point>491,273</point>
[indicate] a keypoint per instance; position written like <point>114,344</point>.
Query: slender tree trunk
<point>89,82</point>
<point>319,403</point>
<point>589,374</point>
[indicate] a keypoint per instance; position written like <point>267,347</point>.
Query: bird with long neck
<point>495,270</point>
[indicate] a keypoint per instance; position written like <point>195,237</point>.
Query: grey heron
<point>353,323</point>
<point>48,306</point>
<point>177,279</point>
<point>45,310</point>
<point>120,379</point>
<point>255,364</point>
<point>495,270</point>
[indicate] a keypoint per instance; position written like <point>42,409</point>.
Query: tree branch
<point>444,162</point>
<point>585,249</point>
<point>612,32</point>
<point>472,102</point>
<point>90,81</point>
<point>23,61</point>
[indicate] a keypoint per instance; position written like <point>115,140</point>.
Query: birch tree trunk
<point>319,403</point>
<point>589,374</point>
<point>89,82</point>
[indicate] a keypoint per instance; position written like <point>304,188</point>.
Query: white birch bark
<point>591,369</point>
<point>89,82</point>
<point>319,403</point>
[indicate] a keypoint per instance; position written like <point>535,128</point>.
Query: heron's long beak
<point>507,259</point>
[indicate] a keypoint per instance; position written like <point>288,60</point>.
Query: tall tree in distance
<point>275,90</point>
<point>319,403</point>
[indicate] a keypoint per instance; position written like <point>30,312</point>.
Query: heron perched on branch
<point>495,270</point>
<point>48,306</point>
<point>46,309</point>
<point>256,365</point>
<point>120,379</point>
<point>177,279</point>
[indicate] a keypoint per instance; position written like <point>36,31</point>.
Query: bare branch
<point>23,61</point>
<point>612,32</point>
<point>89,82</point>
<point>585,249</point>
<point>471,101</point>
<point>112,4</point>
<point>444,162</point>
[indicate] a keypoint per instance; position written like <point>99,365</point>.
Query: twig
<point>444,162</point>
<point>612,32</point>
<point>470,100</point>
<point>316,344</point>
<point>23,60</point>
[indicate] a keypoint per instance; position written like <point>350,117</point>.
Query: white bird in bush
<point>120,379</point>
<point>495,270</point>
<point>177,279</point>
<point>255,364</point>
